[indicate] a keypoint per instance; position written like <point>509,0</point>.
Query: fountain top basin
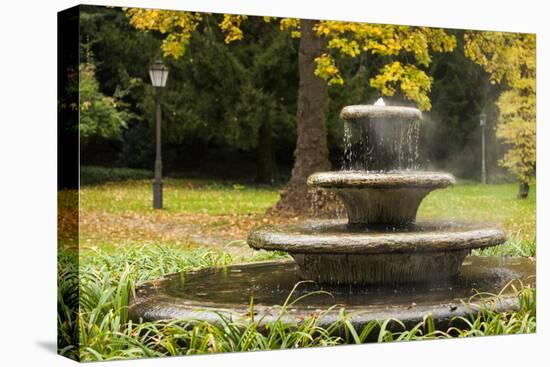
<point>395,113</point>
<point>395,179</point>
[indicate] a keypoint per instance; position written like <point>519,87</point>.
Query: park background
<point>244,94</point>
<point>230,104</point>
<point>230,128</point>
<point>392,346</point>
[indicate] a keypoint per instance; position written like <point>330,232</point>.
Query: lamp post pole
<point>159,74</point>
<point>482,123</point>
<point>157,183</point>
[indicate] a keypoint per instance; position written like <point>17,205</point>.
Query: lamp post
<point>482,123</point>
<point>159,74</point>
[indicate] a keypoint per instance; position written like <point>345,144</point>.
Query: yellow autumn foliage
<point>230,25</point>
<point>351,39</point>
<point>348,39</point>
<point>510,59</point>
<point>326,69</point>
<point>177,25</point>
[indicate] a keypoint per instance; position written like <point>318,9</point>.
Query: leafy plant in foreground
<point>100,330</point>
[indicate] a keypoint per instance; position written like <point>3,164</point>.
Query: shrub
<point>93,175</point>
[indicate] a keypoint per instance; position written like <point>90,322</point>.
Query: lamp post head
<point>158,73</point>
<point>482,119</point>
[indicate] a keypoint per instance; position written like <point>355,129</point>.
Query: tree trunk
<point>523,190</point>
<point>266,169</point>
<point>311,154</point>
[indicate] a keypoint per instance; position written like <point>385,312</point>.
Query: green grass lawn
<point>180,196</point>
<point>489,203</point>
<point>495,203</point>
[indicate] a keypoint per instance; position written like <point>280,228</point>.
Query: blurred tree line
<point>230,111</point>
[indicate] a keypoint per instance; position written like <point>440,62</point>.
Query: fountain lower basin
<point>208,293</point>
<point>330,252</point>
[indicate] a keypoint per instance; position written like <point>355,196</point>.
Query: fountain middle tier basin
<point>330,252</point>
<point>381,199</point>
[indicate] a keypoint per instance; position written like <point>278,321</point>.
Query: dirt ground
<point>221,232</point>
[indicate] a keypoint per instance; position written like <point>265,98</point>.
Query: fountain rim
<point>373,111</point>
<point>380,180</point>
<point>292,239</point>
<point>150,296</point>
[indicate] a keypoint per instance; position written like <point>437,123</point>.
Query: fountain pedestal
<point>381,200</point>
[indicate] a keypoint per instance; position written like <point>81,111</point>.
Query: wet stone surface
<point>336,236</point>
<point>375,199</point>
<point>380,269</point>
<point>387,180</point>
<point>332,252</point>
<point>200,294</point>
<point>380,138</point>
<point>395,113</point>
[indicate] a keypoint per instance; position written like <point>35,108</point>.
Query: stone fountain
<point>379,263</point>
<point>381,243</point>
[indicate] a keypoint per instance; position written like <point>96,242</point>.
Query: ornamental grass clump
<point>95,287</point>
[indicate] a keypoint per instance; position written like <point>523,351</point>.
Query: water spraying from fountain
<point>380,138</point>
<point>380,102</point>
